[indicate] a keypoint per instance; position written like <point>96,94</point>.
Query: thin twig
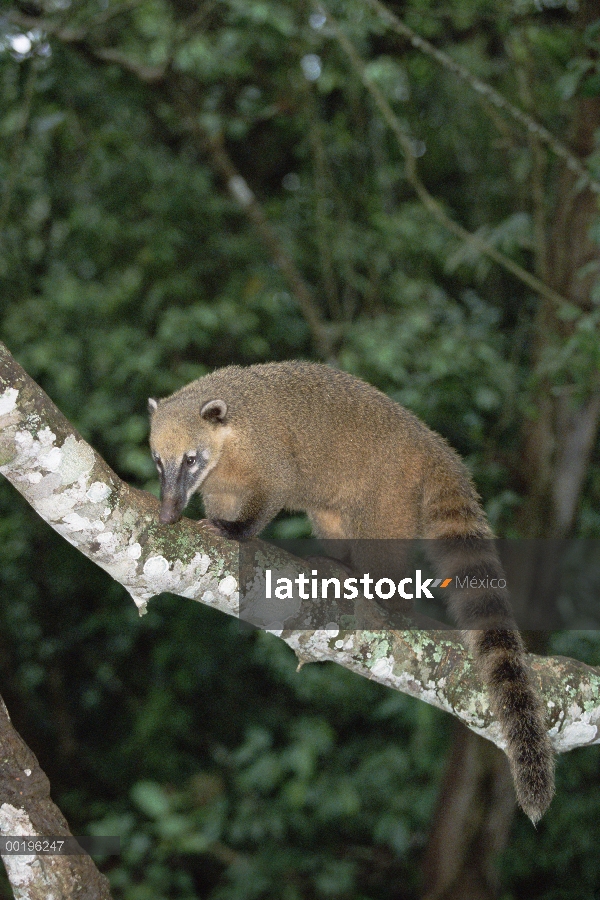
<point>538,159</point>
<point>321,219</point>
<point>16,157</point>
<point>430,203</point>
<point>538,131</point>
<point>240,190</point>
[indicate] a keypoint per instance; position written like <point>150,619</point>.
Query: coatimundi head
<point>186,444</point>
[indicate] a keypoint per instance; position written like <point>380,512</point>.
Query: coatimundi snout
<point>305,437</point>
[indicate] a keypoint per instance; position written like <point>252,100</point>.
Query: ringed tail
<point>462,545</point>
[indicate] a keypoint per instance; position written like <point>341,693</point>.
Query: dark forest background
<point>189,184</point>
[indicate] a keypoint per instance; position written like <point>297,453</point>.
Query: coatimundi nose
<point>169,512</point>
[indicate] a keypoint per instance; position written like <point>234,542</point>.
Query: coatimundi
<point>303,436</point>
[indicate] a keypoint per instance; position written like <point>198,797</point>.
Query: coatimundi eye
<point>190,459</point>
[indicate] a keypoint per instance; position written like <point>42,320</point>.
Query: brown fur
<point>302,436</point>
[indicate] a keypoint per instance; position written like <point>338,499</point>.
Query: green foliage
<point>296,802</point>
<point>126,270</point>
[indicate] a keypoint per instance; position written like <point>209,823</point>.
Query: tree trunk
<point>26,809</point>
<point>472,820</point>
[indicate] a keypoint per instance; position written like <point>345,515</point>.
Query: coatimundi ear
<point>152,405</point>
<point>214,411</point>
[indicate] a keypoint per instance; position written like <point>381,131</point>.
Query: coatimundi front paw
<point>211,527</point>
<point>235,531</point>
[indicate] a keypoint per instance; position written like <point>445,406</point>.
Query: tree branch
<point>427,199</point>
<point>537,131</point>
<point>117,527</point>
<point>26,810</point>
